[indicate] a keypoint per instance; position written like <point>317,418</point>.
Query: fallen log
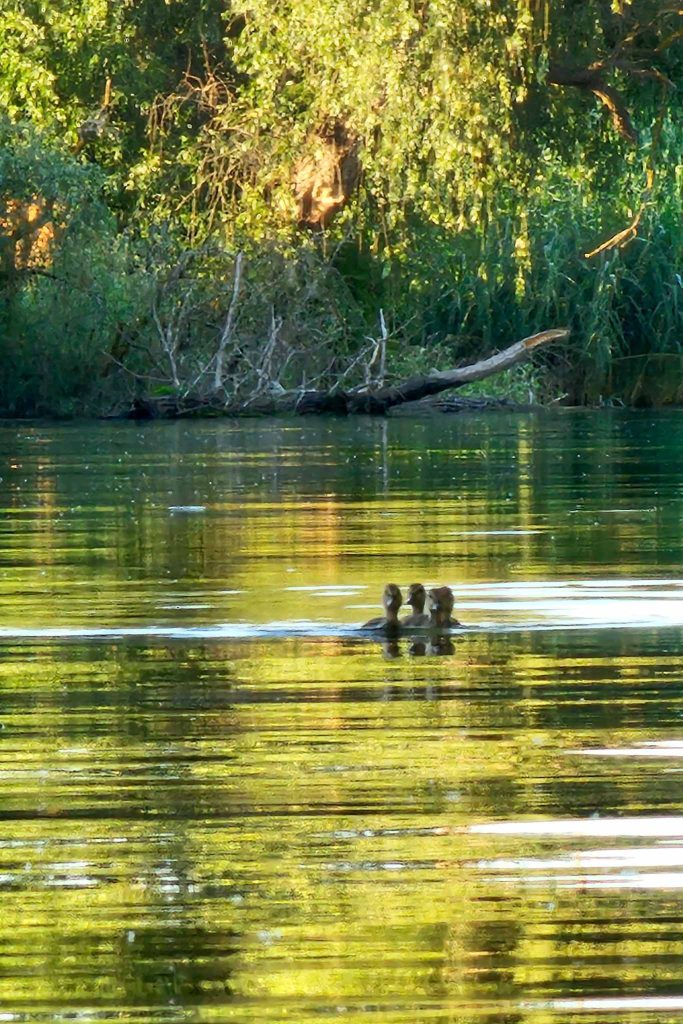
<point>373,402</point>
<point>423,385</point>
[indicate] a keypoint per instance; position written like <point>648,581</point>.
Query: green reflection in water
<point>271,828</point>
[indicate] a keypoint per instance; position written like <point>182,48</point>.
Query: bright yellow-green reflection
<point>269,827</point>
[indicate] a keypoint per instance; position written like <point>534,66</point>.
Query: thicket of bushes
<point>185,222</point>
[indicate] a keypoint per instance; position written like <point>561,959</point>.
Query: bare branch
<point>226,333</point>
<point>378,402</point>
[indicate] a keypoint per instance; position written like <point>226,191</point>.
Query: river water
<point>219,804</point>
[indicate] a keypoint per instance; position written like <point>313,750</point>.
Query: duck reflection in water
<point>440,645</point>
<point>437,645</point>
<point>390,650</point>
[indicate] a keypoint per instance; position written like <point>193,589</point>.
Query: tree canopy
<point>473,170</point>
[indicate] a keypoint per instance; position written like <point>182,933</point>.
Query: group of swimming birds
<point>438,618</point>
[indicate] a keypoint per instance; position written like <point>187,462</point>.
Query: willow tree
<point>469,173</point>
<point>443,104</point>
<point>65,63</point>
<point>464,162</point>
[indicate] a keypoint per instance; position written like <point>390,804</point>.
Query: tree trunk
<point>343,403</point>
<point>425,385</point>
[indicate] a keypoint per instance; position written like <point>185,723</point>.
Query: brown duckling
<point>416,598</point>
<point>441,603</point>
<point>392,599</point>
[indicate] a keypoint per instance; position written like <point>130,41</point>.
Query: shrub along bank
<point>228,201</point>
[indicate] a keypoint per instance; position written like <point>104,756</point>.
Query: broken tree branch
<point>424,385</point>
<point>94,126</point>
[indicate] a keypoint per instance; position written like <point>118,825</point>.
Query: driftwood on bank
<point>366,400</point>
<point>424,385</point>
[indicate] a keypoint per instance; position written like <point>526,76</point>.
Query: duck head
<point>392,599</point>
<point>441,603</point>
<point>416,598</point>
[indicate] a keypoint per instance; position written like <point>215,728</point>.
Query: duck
<point>392,599</point>
<point>441,603</point>
<point>417,595</point>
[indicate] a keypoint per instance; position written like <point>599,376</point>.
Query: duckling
<point>441,602</point>
<point>416,598</point>
<point>392,599</point>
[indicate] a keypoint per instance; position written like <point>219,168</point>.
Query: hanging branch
<point>622,238</point>
<point>590,79</point>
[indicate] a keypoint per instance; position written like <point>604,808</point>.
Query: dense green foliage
<point>471,155</point>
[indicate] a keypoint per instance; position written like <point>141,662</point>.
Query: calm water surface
<point>218,804</point>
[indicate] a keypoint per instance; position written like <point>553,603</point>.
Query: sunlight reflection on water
<point>571,604</point>
<point>223,802</point>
